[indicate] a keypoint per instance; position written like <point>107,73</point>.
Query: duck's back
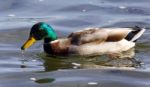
<point>98,35</point>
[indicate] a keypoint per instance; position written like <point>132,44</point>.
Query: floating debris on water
<point>33,79</point>
<point>122,7</point>
<point>11,15</point>
<point>76,64</point>
<point>92,83</point>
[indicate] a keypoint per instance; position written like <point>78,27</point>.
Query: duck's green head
<point>39,31</point>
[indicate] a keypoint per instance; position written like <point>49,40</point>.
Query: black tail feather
<point>133,33</point>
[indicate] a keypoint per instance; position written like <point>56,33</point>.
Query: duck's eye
<point>41,34</point>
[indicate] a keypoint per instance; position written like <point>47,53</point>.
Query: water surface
<point>35,69</point>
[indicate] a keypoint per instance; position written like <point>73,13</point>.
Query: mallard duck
<point>90,41</point>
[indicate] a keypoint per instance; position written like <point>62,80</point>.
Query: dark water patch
<point>45,80</point>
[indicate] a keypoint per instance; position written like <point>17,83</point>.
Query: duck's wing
<point>98,35</point>
<point>88,36</point>
<point>117,34</point>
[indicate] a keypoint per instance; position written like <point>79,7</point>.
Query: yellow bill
<point>28,43</point>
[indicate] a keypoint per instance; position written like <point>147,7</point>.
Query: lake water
<point>35,69</point>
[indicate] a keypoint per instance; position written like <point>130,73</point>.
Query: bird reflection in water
<point>124,59</point>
